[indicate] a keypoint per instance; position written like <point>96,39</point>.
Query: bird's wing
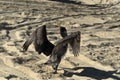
<point>75,43</point>
<point>29,41</point>
<point>73,40</point>
<point>39,37</point>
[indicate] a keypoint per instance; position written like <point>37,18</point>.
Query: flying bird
<point>40,40</point>
<point>61,46</point>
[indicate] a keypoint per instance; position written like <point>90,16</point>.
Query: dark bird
<point>40,40</point>
<point>56,52</point>
<point>61,46</point>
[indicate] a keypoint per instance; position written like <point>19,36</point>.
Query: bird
<point>40,40</point>
<point>54,51</point>
<point>61,46</point>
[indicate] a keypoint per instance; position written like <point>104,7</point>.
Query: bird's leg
<point>55,66</point>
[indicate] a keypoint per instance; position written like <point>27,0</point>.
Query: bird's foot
<point>55,72</point>
<point>47,63</point>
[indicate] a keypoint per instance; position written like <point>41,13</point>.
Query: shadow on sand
<point>92,73</point>
<point>78,3</point>
<point>68,1</point>
<point>3,26</point>
<point>90,6</point>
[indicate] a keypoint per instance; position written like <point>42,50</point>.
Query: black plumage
<point>61,47</point>
<point>56,52</point>
<point>40,40</point>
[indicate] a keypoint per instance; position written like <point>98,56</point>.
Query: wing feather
<point>75,44</point>
<point>29,41</point>
<point>40,37</point>
<point>73,40</point>
<point>37,36</point>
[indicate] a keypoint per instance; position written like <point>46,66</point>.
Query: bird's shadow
<point>91,72</point>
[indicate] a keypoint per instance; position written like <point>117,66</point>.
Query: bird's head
<point>63,31</point>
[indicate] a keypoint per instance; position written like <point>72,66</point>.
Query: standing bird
<point>61,46</point>
<point>41,42</point>
<point>56,52</point>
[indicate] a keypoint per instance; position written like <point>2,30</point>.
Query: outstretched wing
<point>75,43</point>
<point>41,43</point>
<point>29,41</point>
<point>38,38</point>
<point>73,40</point>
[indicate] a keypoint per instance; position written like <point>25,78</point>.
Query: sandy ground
<point>99,58</point>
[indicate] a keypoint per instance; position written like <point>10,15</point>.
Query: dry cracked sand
<point>99,57</point>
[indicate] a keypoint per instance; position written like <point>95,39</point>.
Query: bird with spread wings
<point>56,52</point>
<point>40,40</point>
<point>61,46</point>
